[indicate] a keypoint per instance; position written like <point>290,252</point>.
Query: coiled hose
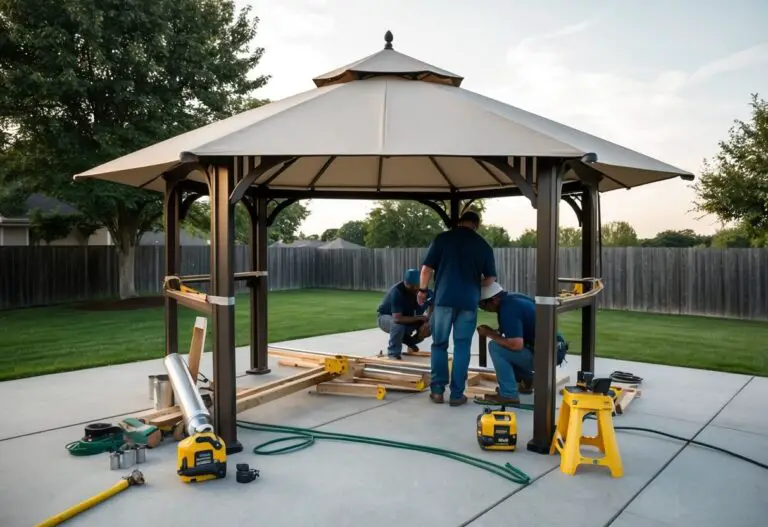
<point>301,438</point>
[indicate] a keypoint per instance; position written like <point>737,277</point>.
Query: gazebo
<point>387,126</point>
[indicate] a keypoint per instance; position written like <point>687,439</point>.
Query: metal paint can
<point>141,453</point>
<point>127,458</point>
<point>114,461</point>
<point>152,387</point>
<point>163,392</point>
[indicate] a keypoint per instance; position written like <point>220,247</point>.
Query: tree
<point>569,237</point>
<point>619,234</point>
<point>354,231</point>
<point>495,235</point>
<point>402,224</point>
<point>735,187</point>
<point>682,238</point>
<point>285,227</point>
<point>329,235</point>
<point>736,237</point>
<point>86,82</point>
<point>527,239</point>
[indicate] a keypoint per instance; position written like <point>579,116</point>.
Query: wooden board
<point>246,401</point>
<point>196,346</point>
<point>358,389</point>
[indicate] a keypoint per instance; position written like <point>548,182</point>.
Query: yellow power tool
<point>497,430</point>
<point>201,457</point>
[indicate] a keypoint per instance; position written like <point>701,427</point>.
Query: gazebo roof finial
<point>388,39</point>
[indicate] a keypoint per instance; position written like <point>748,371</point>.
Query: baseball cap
<point>490,291</point>
<point>411,276</point>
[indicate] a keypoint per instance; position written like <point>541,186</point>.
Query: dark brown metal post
<point>259,287</point>
<point>455,211</point>
<point>482,359</point>
<point>589,257</point>
<point>547,219</point>
<point>222,296</point>
<point>171,206</point>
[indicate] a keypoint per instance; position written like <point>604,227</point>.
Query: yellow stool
<point>568,439</point>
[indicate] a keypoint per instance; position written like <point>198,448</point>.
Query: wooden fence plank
<point>711,282</point>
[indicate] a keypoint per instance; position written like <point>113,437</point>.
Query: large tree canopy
<point>85,82</point>
<point>735,186</point>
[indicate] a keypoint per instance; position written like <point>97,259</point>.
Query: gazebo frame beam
<point>226,184</point>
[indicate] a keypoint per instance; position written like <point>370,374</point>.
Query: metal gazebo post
<point>589,257</point>
<point>547,221</point>
<point>257,211</point>
<point>221,182</point>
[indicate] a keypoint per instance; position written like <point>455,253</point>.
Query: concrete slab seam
<point>505,498</point>
<point>674,456</point>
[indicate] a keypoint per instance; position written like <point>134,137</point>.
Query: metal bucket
<point>163,392</point>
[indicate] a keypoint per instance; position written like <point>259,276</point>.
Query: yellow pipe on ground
<point>135,478</point>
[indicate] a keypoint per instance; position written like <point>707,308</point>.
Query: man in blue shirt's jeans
<point>461,261</point>
<point>511,347</point>
<point>401,316</point>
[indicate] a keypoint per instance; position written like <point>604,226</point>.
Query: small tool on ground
<point>245,474</point>
<point>497,430</point>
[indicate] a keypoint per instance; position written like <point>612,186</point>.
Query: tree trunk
<point>126,254</point>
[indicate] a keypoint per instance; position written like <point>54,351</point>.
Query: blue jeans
<point>514,366</point>
<point>399,334</point>
<point>511,367</point>
<point>463,323</point>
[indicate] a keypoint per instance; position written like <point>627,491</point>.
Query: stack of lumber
<point>363,378</point>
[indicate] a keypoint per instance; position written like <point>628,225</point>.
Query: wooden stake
<point>196,347</point>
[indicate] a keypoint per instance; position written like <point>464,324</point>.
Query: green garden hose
<point>302,438</point>
<point>98,445</point>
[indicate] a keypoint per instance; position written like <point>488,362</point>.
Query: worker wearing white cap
<point>511,347</point>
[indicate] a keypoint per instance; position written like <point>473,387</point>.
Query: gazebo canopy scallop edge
<point>387,126</point>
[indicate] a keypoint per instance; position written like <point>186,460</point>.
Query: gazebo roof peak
<point>390,63</point>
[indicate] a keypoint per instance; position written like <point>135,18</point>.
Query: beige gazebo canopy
<point>368,125</point>
<point>387,126</point>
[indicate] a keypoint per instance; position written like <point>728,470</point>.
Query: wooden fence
<point>712,282</point>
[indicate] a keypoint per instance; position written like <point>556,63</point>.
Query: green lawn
<point>54,339</point>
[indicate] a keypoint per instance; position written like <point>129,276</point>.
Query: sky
<point>664,78</point>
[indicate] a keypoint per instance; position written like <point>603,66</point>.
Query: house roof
<point>340,243</point>
<point>46,205</point>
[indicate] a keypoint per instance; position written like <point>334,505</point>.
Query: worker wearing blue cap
<point>401,316</point>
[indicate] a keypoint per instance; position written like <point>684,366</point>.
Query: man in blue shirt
<point>401,316</point>
<point>461,261</point>
<point>511,347</point>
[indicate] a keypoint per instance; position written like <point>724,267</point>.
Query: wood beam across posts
<point>171,219</point>
<point>589,258</point>
<point>549,181</point>
<point>257,211</point>
<point>221,181</point>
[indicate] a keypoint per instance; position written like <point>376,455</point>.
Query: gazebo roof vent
<point>388,62</point>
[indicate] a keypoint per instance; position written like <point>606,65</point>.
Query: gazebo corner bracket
<point>514,175</point>
<point>266,164</point>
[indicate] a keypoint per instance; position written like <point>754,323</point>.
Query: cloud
<point>656,115</point>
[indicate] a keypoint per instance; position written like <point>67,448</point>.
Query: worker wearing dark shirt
<point>511,347</point>
<point>461,261</point>
<point>401,316</point>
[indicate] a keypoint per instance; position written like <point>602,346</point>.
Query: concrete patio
<point>343,484</point>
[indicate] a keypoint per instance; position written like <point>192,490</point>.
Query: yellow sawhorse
<point>568,438</point>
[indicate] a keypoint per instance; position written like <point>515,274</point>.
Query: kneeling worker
<point>401,316</point>
<point>511,347</point>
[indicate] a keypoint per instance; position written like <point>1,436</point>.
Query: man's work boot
<point>436,398</point>
<point>500,399</point>
<point>458,402</point>
<point>525,386</point>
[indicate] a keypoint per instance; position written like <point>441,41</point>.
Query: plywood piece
<point>196,347</point>
<point>359,389</point>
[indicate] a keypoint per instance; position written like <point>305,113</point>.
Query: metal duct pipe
<point>196,416</point>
